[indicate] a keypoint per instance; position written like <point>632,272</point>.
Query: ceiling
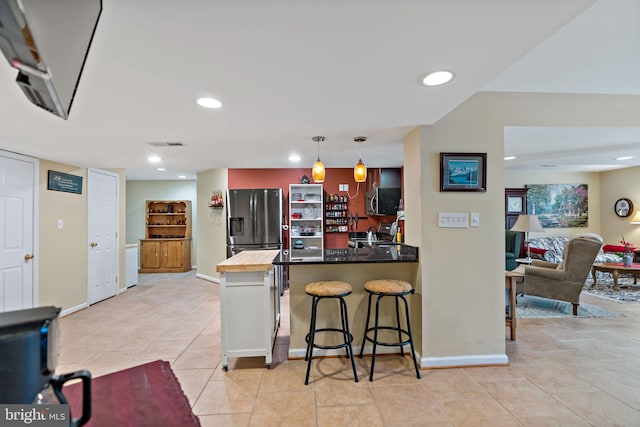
<point>595,53</point>
<point>288,70</point>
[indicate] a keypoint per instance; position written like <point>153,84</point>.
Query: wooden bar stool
<point>323,290</point>
<point>397,289</point>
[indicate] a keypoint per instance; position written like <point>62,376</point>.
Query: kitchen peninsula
<point>356,266</point>
<point>248,281</point>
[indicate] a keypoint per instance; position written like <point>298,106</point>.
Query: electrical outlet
<point>453,220</point>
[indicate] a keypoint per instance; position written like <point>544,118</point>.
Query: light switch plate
<point>475,219</point>
<point>453,220</point>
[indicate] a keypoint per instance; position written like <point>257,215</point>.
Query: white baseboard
<point>209,278</point>
<point>425,362</point>
<point>72,310</point>
<point>299,353</point>
<point>462,361</point>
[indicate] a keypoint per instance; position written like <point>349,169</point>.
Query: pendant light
<point>360,170</point>
<point>318,172</point>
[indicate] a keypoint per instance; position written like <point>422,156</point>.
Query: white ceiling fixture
<point>294,158</point>
<point>437,78</point>
<point>624,158</point>
<point>510,158</point>
<point>161,169</point>
<point>207,102</point>
<point>154,159</point>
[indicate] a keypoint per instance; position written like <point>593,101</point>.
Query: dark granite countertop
<point>376,254</point>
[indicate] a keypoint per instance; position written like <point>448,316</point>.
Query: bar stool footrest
<point>388,344</point>
<point>328,347</point>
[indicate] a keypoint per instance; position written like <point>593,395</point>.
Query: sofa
<point>550,249</point>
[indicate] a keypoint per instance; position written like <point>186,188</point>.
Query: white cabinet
<point>249,306</point>
<point>306,228</point>
<point>131,264</point>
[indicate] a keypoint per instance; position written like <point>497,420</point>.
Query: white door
<point>18,175</point>
<point>102,211</point>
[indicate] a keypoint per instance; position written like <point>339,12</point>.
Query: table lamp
<point>527,223</point>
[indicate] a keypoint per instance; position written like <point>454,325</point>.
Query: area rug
<point>144,395</point>
<point>604,289</point>
<point>532,307</point>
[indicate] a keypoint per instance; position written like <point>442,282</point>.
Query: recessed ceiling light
<point>437,78</point>
<point>182,177</point>
<point>549,166</point>
<point>294,158</point>
<point>509,157</point>
<point>209,103</point>
<point>154,159</point>
<point>624,158</point>
<point>160,169</point>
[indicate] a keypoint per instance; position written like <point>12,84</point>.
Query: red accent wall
<point>281,178</point>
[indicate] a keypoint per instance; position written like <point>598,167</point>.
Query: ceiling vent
<point>166,144</point>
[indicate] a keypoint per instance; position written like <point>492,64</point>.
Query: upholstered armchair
<point>513,240</point>
<point>563,281</point>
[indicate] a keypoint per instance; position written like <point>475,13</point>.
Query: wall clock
<point>623,207</point>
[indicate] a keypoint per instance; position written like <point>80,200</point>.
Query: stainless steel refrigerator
<point>254,219</point>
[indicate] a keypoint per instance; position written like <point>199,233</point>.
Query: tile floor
<point>563,372</point>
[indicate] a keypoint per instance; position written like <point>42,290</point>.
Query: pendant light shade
<point>360,170</point>
<point>318,171</point>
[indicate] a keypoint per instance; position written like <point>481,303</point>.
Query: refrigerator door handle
<point>254,217</point>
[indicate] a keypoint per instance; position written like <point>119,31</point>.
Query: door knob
<point>28,257</point>
<point>94,244</point>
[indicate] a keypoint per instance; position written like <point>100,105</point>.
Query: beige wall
<point>211,224</point>
<point>618,184</point>
<point>412,177</point>
<point>462,269</point>
<point>62,259</point>
<point>63,253</point>
<point>592,179</point>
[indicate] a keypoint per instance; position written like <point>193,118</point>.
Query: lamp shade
<point>360,172</point>
<point>527,223</point>
<point>317,171</point>
<point>636,218</point>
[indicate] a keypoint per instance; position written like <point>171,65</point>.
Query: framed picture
<point>515,204</point>
<point>463,172</point>
<point>559,205</point>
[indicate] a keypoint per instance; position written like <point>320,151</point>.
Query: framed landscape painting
<point>463,171</point>
<point>559,205</point>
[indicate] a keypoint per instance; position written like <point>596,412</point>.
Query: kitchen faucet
<point>370,234</point>
<point>394,228</point>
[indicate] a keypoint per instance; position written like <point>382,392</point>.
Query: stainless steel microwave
<point>383,201</point>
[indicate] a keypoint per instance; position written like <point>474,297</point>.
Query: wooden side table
<point>510,285</point>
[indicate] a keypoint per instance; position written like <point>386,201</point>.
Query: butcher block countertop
<point>248,261</point>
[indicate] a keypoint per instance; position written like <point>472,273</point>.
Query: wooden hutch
<point>166,247</point>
